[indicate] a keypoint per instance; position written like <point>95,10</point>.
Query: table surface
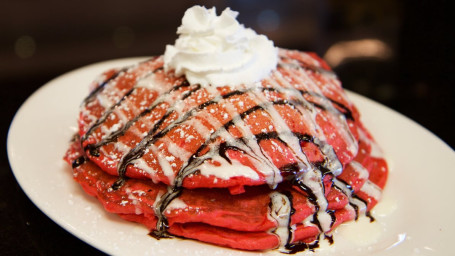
<point>422,89</point>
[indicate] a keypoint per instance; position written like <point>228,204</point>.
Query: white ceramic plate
<point>415,216</point>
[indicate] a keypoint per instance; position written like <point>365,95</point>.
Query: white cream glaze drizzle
<point>280,213</point>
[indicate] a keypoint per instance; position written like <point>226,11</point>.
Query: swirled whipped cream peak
<point>218,50</point>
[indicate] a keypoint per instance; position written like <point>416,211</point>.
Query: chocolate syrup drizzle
<point>78,162</point>
<point>214,147</point>
<point>111,109</point>
<point>354,200</point>
<point>101,86</point>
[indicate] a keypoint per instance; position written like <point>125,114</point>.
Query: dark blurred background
<point>399,53</point>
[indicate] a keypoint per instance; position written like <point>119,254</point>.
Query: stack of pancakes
<point>275,164</point>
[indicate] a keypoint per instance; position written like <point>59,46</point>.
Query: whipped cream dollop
<point>218,50</point>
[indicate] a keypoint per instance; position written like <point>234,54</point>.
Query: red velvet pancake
<point>277,164</point>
